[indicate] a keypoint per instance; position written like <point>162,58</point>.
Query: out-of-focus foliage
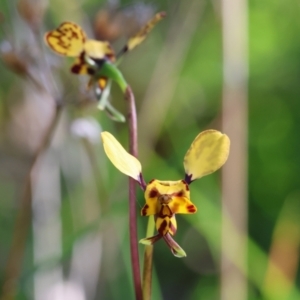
<point>79,243</point>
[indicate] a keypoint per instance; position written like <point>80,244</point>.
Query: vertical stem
<point>148,261</point>
<point>234,173</point>
<point>23,219</point>
<point>133,149</point>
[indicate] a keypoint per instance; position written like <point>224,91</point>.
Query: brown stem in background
<point>234,172</point>
<point>23,219</point>
<point>133,149</point>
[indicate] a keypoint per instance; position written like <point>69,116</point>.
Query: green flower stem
<point>23,219</point>
<point>133,149</point>
<point>111,71</point>
<point>148,259</point>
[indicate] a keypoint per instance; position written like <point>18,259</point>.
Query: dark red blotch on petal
<point>162,227</point>
<point>153,193</point>
<point>191,208</point>
<point>179,194</point>
<point>144,210</point>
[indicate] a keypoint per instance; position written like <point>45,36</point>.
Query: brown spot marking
<point>59,42</point>
<point>186,185</point>
<point>90,71</point>
<point>74,35</point>
<point>76,69</point>
<point>179,194</point>
<point>111,55</point>
<point>62,43</point>
<point>144,210</point>
<point>153,193</point>
<point>165,211</point>
<point>81,56</point>
<point>151,181</point>
<point>191,208</point>
<point>162,227</point>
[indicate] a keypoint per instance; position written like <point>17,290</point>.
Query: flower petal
<point>208,152</point>
<point>68,39</point>
<point>182,205</point>
<point>80,66</point>
<point>121,159</point>
<point>99,50</point>
<point>142,34</point>
<point>166,225</point>
<point>150,208</point>
<point>151,240</point>
<point>151,194</point>
<point>167,198</point>
<point>175,248</point>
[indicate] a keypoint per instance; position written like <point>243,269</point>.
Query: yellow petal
<point>141,35</point>
<point>166,225</point>
<point>208,152</point>
<point>151,196</point>
<point>68,39</point>
<point>150,208</point>
<point>173,225</point>
<point>121,159</point>
<point>99,50</point>
<point>182,205</point>
<point>80,66</point>
<point>167,198</point>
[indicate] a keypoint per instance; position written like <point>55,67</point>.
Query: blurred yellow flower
<point>69,39</point>
<point>208,152</point>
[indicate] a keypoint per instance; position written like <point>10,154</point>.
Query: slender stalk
<point>148,262</point>
<point>133,149</point>
<point>23,219</point>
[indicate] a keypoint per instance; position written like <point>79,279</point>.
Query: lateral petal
<point>208,152</point>
<point>120,158</point>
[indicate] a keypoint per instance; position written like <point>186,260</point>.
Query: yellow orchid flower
<point>207,153</point>
<point>70,40</point>
<point>91,56</point>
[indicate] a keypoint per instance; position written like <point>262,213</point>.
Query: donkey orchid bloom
<point>95,58</point>
<point>164,199</point>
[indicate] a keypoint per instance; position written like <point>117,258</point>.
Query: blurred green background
<point>78,245</point>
